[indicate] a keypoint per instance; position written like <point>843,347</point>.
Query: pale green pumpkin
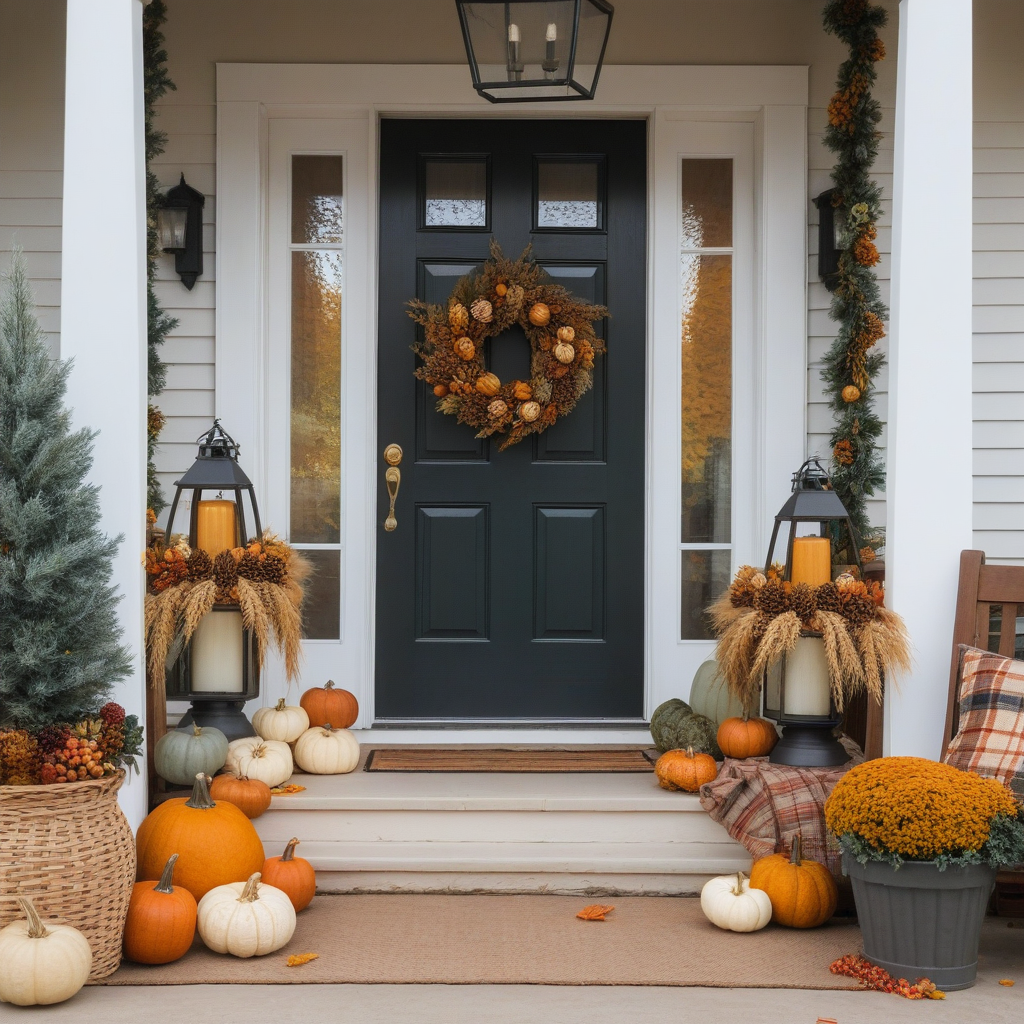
<point>710,696</point>
<point>675,726</point>
<point>182,754</point>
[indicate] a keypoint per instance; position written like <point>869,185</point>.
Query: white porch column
<point>929,483</point>
<point>103,295</point>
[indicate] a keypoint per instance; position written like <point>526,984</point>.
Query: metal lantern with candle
<point>797,690</point>
<point>217,669</point>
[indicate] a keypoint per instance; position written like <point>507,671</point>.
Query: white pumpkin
<point>326,751</point>
<point>730,903</point>
<point>41,963</point>
<point>270,761</point>
<point>284,722</point>
<point>246,918</point>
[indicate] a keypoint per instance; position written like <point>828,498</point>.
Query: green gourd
<point>710,696</point>
<point>675,726</point>
<point>182,753</point>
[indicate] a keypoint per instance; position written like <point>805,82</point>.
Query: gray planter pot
<point>920,922</point>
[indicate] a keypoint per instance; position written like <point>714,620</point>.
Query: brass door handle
<point>393,479</point>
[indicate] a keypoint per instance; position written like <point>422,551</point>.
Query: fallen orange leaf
<point>285,790</point>
<point>595,912</point>
<point>298,959</point>
<point>1008,982</point>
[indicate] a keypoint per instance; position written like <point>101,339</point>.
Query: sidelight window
<point>706,287</point>
<point>317,264</point>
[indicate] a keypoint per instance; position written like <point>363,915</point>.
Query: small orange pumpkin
<point>292,875</point>
<point>683,769</point>
<point>803,892</point>
<point>250,796</point>
<point>161,921</point>
<point>747,737</point>
<point>326,705</point>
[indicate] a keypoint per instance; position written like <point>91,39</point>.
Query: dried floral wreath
<point>265,579</point>
<point>560,329</point>
<point>760,618</point>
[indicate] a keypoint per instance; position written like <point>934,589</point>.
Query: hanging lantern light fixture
<point>535,49</point>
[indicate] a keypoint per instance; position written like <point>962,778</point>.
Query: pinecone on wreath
<point>482,311</point>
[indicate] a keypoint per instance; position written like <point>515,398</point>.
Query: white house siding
<point>999,282</point>
<point>199,34</point>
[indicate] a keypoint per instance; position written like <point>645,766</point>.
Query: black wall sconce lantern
<point>179,224</point>
<point>830,240</point>
<point>535,49</point>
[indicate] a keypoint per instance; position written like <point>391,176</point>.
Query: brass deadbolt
<point>393,454</point>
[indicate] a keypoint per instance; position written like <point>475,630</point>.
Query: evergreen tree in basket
<point>60,647</point>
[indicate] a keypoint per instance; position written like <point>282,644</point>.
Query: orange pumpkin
<point>217,842</point>
<point>683,769</point>
<point>250,796</point>
<point>161,921</point>
<point>292,875</point>
<point>327,706</point>
<point>747,737</point>
<point>803,892</point>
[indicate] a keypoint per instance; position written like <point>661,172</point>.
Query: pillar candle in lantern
<point>217,653</point>
<point>812,561</point>
<point>807,687</point>
<point>216,526</point>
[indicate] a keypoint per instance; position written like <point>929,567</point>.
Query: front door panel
<point>513,588</point>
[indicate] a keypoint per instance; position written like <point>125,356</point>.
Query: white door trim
<point>251,96</point>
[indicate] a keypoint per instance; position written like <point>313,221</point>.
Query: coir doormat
<point>440,759</point>
<point>520,940</point>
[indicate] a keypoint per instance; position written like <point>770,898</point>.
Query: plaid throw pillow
<point>990,740</point>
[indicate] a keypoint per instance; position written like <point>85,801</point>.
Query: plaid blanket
<point>990,737</point>
<point>764,805</point>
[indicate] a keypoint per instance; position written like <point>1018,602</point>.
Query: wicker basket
<point>70,848</point>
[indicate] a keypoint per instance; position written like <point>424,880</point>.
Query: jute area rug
<point>520,940</point>
<point>494,759</point>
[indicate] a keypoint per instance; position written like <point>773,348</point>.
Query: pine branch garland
<point>156,82</point>
<point>850,367</point>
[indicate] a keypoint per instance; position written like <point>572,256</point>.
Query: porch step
<point>454,832</point>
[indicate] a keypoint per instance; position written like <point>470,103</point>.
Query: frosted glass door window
<point>568,194</point>
<point>706,289</point>
<point>455,192</point>
<point>317,270</point>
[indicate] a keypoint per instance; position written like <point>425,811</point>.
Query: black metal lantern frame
<point>806,739</point>
<point>535,50</point>
<point>187,247</point>
<point>216,469</point>
<point>829,239</point>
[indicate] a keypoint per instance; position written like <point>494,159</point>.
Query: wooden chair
<point>983,587</point>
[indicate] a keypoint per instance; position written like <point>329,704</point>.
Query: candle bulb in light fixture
<point>811,562</point>
<point>515,68</point>
<point>217,653</point>
<point>808,689</point>
<point>550,60</point>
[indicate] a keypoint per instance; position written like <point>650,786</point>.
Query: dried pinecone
<point>262,568</point>
<point>803,602</point>
<point>225,572</point>
<point>829,599</point>
<point>514,298</point>
<point>458,315</point>
<point>19,758</point>
<point>858,609</point>
<point>200,565</point>
<point>772,598</point>
<point>482,311</point>
<point>745,587</point>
